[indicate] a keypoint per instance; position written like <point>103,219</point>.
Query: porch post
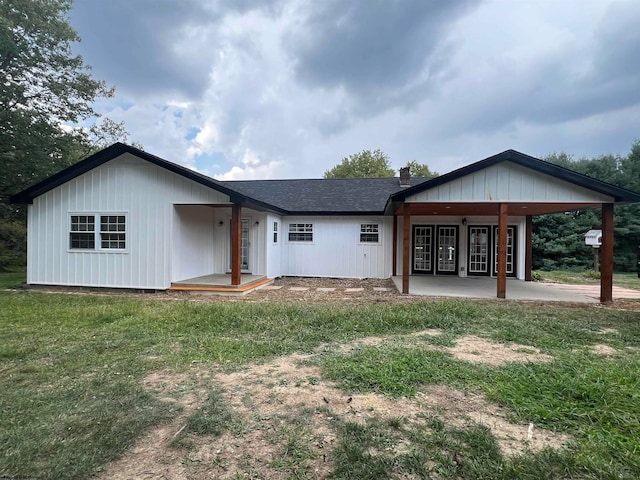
<point>502,251</point>
<point>236,214</point>
<point>394,255</point>
<point>528,253</point>
<point>406,240</point>
<point>606,254</point>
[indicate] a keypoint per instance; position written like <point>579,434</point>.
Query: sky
<point>249,89</point>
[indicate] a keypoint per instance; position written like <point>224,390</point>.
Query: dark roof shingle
<point>324,196</point>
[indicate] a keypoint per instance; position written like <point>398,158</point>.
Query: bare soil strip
<point>286,400</point>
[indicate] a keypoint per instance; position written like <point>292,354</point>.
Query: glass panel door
<point>511,269</point>
<point>244,244</point>
<point>447,249</point>
<point>422,248</point>
<point>478,250</point>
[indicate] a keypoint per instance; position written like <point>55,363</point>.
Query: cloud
<point>286,88</point>
<point>252,169</point>
<point>143,46</point>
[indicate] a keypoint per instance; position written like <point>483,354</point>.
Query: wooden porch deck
<point>221,283</point>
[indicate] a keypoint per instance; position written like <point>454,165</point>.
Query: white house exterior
<point>126,219</point>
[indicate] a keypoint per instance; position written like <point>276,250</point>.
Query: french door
<point>423,249</point>
<point>447,245</point>
<point>435,247</point>
<point>511,258</point>
<point>479,250</point>
<point>244,244</point>
<point>483,250</point>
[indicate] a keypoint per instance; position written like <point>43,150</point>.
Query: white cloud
<point>500,75</point>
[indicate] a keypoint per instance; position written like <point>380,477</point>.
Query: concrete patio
<point>485,287</point>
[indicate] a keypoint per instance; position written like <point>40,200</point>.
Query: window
<point>112,233</point>
<point>275,232</point>
<point>369,233</point>
<point>301,232</point>
<point>110,236</point>
<point>82,235</point>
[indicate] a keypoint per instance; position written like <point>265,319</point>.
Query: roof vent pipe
<point>405,177</point>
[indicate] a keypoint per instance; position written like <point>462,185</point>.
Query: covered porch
<point>499,256</point>
<point>218,247</point>
<point>502,194</point>
<point>485,287</point>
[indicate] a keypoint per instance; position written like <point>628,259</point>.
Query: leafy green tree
<point>558,239</point>
<point>46,101</point>
<point>420,169</point>
<point>45,93</point>
<point>376,164</point>
<point>366,164</point>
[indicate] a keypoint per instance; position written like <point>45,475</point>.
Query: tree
<point>45,92</point>
<point>420,169</point>
<point>376,164</point>
<point>366,164</point>
<point>46,100</point>
<point>558,240</point>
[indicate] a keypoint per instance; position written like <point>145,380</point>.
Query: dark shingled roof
<point>343,196</point>
<point>324,196</point>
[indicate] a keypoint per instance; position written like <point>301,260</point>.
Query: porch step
<point>223,289</point>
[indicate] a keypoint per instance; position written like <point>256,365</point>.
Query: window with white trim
<point>275,232</point>
<point>369,233</point>
<point>83,232</point>
<point>301,232</point>
<point>111,234</point>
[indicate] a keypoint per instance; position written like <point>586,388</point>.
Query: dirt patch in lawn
<point>605,350</point>
<point>151,456</point>
<point>286,417</point>
<point>462,408</point>
<point>480,350</point>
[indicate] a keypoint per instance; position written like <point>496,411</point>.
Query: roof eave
<point>117,149</point>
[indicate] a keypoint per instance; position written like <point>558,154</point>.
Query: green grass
<point>12,279</point>
<point>71,369</point>
<point>625,280</point>
<point>428,448</point>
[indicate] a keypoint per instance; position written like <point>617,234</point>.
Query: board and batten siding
<point>274,249</point>
<point>509,182</point>
<point>128,185</point>
<point>336,250</point>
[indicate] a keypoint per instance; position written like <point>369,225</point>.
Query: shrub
<point>592,274</point>
<point>13,245</point>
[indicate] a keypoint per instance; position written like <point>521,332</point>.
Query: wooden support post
<point>502,251</point>
<point>394,255</point>
<point>528,252</point>
<point>406,243</point>
<point>236,232</point>
<point>606,254</point>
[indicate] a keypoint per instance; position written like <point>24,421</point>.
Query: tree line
<point>558,239</point>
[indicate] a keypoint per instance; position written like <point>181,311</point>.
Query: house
<point>124,218</point>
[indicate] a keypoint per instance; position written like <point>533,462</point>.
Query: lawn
<point>12,279</point>
<point>625,280</point>
<point>84,377</point>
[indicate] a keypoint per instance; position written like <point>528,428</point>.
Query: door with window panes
<point>244,244</point>
<point>479,250</point>
<point>511,251</point>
